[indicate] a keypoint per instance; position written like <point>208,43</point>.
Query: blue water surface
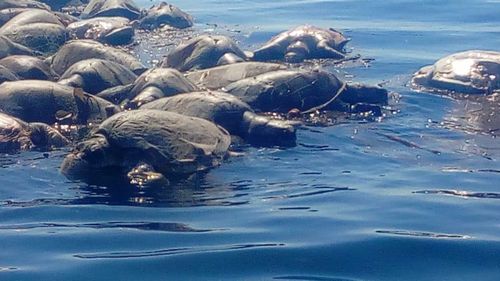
<point>414,196</point>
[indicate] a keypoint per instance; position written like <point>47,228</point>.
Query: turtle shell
<point>221,108</point>
<point>469,72</point>
<point>111,8</point>
<point>170,142</point>
<point>96,75</point>
<point>78,50</point>
<point>14,134</point>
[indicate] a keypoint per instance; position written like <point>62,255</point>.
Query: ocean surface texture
<point>412,196</point>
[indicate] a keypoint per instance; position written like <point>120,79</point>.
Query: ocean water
<point>414,196</point>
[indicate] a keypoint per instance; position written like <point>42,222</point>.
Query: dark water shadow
<point>144,226</point>
<point>313,278</point>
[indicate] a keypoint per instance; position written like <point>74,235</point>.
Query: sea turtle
<point>202,52</point>
<point>158,83</point>
<point>57,5</point>
<point>172,144</point>
<point>303,42</point>
<point>230,113</point>
<point>28,67</point>
<point>37,29</point>
<point>283,90</point>
<point>111,8</point>
<point>96,75</point>
<point>7,4</point>
<point>77,50</point>
<point>30,16</point>
<point>9,48</point>
<point>220,76</point>
<point>108,30</point>
<point>165,14</point>
<point>49,102</point>
<point>469,72</point>
<point>16,135</point>
<point>7,75</point>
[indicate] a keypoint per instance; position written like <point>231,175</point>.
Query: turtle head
<point>263,131</point>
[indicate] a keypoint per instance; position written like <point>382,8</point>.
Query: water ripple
<point>423,234</point>
<point>461,193</point>
<point>174,251</point>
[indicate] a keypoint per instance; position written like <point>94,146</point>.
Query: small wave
<point>174,251</point>
<point>461,193</point>
<point>324,189</point>
<point>407,143</point>
<point>423,234</point>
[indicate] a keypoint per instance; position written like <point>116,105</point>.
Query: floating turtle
<point>8,4</point>
<point>37,29</point>
<point>7,75</point>
<point>283,90</point>
<point>57,5</point>
<point>204,51</point>
<point>78,50</point>
<point>30,16</point>
<point>49,102</point>
<point>9,48</point>
<point>469,72</point>
<point>165,14</point>
<point>172,144</point>
<point>28,67</point>
<point>221,76</point>
<point>303,42</point>
<point>16,135</point>
<point>96,75</point>
<point>108,30</point>
<point>158,83</point>
<point>111,8</point>
<point>230,113</point>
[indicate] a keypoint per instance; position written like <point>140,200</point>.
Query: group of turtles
<point>71,68</point>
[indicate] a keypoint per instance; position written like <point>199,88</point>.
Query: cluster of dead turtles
<point>62,68</point>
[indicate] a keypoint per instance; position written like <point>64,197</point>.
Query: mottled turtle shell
<point>96,75</point>
<point>7,4</point>
<point>469,72</point>
<point>111,8</point>
<point>28,67</point>
<point>158,83</point>
<point>78,50</point>
<point>204,51</point>
<point>37,29</point>
<point>49,102</point>
<point>14,134</point>
<point>10,48</point>
<point>165,14</point>
<point>173,144</point>
<point>217,77</point>
<point>283,90</point>
<point>221,108</point>
<point>303,42</point>
<point>108,30</point>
